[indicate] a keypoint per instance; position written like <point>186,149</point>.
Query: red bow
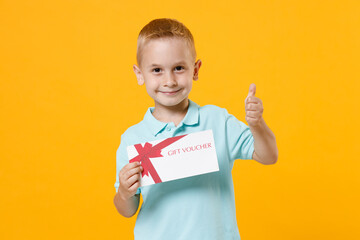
<point>149,151</point>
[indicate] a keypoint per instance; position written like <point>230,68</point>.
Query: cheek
<point>151,85</point>
<point>188,83</point>
<point>187,79</point>
<point>150,91</point>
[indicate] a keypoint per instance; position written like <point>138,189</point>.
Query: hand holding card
<point>175,158</point>
<point>129,178</point>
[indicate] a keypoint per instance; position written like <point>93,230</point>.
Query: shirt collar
<point>156,126</point>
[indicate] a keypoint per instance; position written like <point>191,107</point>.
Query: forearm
<point>126,207</point>
<point>266,151</point>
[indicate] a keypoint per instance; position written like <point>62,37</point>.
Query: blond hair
<point>164,28</point>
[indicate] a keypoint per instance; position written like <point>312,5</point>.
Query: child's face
<point>167,69</point>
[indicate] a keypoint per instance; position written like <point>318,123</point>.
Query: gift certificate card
<point>176,157</point>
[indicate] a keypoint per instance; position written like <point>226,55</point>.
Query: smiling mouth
<point>170,92</point>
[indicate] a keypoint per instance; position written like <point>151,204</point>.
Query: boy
<point>198,207</point>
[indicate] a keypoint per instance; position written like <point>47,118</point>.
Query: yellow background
<point>67,93</point>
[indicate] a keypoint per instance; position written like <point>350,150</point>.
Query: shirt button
<point>168,128</point>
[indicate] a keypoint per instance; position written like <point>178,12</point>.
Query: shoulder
<point>218,115</point>
<point>133,131</point>
<point>213,111</point>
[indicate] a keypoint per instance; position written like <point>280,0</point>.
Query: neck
<point>173,114</point>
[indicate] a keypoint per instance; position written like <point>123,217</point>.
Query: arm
<point>125,200</point>
<point>266,151</point>
<point>126,207</point>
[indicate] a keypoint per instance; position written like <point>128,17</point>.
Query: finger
<point>133,179</point>
<point>127,184</point>
<point>132,172</point>
<point>251,106</point>
<point>133,165</point>
<point>133,188</point>
<point>250,120</point>
<point>247,118</point>
<point>129,166</point>
<point>252,90</point>
<point>253,99</point>
<point>250,114</point>
<point>253,114</point>
<point>254,107</point>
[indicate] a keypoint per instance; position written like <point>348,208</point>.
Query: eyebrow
<point>154,65</point>
<point>177,63</point>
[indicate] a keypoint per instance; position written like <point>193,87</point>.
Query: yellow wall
<point>67,93</point>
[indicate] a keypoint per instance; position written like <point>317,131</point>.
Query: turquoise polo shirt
<point>198,207</point>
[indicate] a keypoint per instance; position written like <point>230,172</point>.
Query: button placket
<point>170,127</point>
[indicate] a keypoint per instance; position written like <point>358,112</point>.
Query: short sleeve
<point>121,161</point>
<point>240,140</point>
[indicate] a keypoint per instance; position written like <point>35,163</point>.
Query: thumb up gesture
<point>253,108</point>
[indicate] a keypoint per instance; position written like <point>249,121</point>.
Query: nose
<point>170,80</point>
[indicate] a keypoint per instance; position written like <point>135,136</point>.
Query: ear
<point>138,74</point>
<point>196,69</point>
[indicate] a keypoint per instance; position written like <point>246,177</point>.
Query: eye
<point>156,70</point>
<point>179,68</point>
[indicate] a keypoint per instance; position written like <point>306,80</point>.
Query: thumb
<point>252,90</point>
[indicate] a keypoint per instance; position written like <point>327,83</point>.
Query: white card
<point>176,157</point>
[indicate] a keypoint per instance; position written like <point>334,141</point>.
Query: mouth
<point>170,92</point>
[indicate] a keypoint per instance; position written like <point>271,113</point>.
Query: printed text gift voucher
<point>175,157</point>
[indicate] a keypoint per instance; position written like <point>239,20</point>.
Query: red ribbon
<point>149,151</point>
